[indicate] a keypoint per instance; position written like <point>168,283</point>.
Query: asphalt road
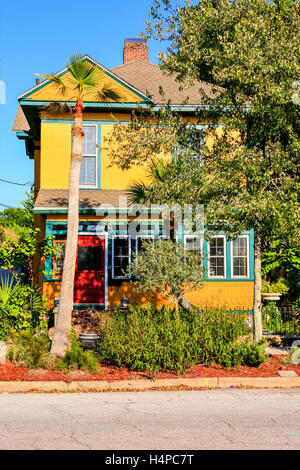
<point>217,419</point>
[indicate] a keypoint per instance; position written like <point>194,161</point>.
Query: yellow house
<point>105,245</point>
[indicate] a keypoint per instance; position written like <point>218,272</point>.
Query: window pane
<point>217,257</point>
<point>89,152</point>
<point>239,257</point>
<point>89,258</point>
<point>213,251</point>
<point>89,140</point>
<point>121,256</point>
<point>88,171</point>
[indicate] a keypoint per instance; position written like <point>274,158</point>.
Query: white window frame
<point>92,186</point>
<point>185,237</point>
<point>113,257</point>
<point>208,259</point>
<point>248,258</point>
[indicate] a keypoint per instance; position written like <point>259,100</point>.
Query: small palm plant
<point>8,289</point>
<point>84,78</point>
<point>139,192</point>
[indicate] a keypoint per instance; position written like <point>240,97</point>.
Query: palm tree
<point>84,78</point>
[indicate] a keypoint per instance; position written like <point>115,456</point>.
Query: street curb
<point>143,385</point>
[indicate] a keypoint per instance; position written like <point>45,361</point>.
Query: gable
<point>47,91</point>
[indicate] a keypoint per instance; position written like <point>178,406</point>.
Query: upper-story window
<point>240,256</point>
<point>217,257</point>
<point>88,169</point>
<point>194,145</point>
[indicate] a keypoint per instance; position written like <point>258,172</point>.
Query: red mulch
<point>11,372</point>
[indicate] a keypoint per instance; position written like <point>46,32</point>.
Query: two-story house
<point>105,247</point>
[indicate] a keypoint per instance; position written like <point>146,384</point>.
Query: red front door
<point>90,270</point>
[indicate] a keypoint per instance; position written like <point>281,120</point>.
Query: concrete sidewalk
<point>143,385</point>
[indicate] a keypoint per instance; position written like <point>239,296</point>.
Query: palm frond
<point>84,75</point>
<point>56,108</point>
<point>156,170</point>
<point>137,193</point>
<point>107,93</point>
<point>57,82</point>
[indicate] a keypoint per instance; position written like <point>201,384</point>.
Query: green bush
<point>21,308</point>
<point>281,286</point>
<point>248,354</point>
<point>77,358</point>
<point>30,348</point>
<point>148,340</point>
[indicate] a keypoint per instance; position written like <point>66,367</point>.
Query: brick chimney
<point>135,49</point>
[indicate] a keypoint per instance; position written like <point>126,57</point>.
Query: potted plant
<point>89,322</point>
<point>273,291</point>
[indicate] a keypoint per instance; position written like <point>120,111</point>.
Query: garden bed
<point>11,372</point>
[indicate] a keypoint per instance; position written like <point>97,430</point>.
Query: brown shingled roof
<point>148,77</point>
<point>21,123</point>
<point>88,199</point>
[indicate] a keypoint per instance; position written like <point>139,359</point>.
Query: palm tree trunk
<point>61,337</point>
<point>257,320</point>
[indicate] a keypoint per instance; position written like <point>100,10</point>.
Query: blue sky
<point>38,37</point>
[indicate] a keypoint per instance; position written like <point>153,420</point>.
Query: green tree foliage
<point>18,253</point>
<point>21,308</point>
<point>21,219</point>
<point>167,268</point>
<point>249,51</point>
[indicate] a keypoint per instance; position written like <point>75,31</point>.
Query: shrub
<point>21,308</point>
<point>249,354</point>
<point>29,348</point>
<point>77,358</point>
<point>148,340</point>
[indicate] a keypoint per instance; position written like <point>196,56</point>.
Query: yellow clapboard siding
<point>50,92</point>
<point>55,155</point>
<point>113,177</point>
<point>230,295</point>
